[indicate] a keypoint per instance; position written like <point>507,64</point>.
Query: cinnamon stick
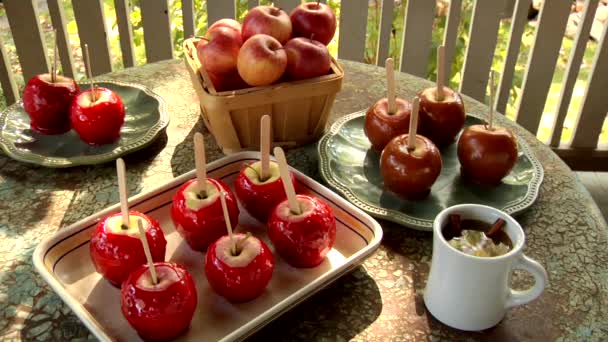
<point>496,227</point>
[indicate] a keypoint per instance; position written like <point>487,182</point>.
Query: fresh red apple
<point>303,240</point>
<point>262,60</point>
<point>441,121</point>
<point>258,196</point>
<point>116,250</point>
<point>410,173</point>
<point>219,50</point>
<point>381,126</point>
<point>239,275</point>
<point>314,19</point>
<point>306,58</point>
<point>269,20</point>
<point>48,103</point>
<point>486,155</point>
<point>97,120</point>
<point>227,81</point>
<point>160,311</point>
<point>230,23</point>
<point>198,217</point>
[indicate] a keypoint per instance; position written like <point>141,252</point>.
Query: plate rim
<point>59,162</point>
<point>404,219</point>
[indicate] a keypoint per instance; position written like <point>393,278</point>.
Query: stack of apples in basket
<point>269,46</point>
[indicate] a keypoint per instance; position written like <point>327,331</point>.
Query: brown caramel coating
<point>410,173</point>
<point>485,155</point>
<point>441,121</point>
<point>380,127</point>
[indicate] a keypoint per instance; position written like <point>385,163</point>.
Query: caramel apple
<point>486,154</point>
<point>410,163</point>
<point>441,119</point>
<point>381,126</point>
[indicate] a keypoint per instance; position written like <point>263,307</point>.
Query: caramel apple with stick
<point>258,186</point>
<point>441,111</point>
<point>196,210</point>
<point>47,99</point>
<point>238,266</point>
<point>115,246</point>
<point>389,117</point>
<point>487,153</point>
<point>158,299</point>
<point>410,163</point>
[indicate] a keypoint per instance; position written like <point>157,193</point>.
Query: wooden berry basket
<point>233,117</point>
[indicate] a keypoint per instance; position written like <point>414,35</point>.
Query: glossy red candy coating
<point>48,104</point>
<point>441,121</point>
<point>239,284</point>
<point>202,227</point>
<point>159,313</point>
<point>115,256</point>
<point>259,199</point>
<point>100,122</point>
<point>305,242</point>
<point>380,126</point>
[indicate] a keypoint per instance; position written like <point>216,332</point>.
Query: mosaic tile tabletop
<point>380,301</point>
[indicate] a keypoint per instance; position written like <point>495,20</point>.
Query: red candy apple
<point>98,119</point>
<point>262,60</point>
<point>239,275</point>
<point>381,126</point>
<point>486,154</point>
<point>269,20</point>
<point>231,23</point>
<point>441,121</point>
<point>306,58</point>
<point>314,18</point>
<point>199,217</point>
<point>259,197</point>
<point>159,311</point>
<point>48,103</point>
<point>410,172</point>
<point>219,50</point>
<point>303,239</point>
<point>116,250</point>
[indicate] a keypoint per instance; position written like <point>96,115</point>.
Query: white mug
<point>472,293</point>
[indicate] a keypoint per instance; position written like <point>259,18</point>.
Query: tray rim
<point>252,326</point>
<point>56,162</point>
<point>399,217</point>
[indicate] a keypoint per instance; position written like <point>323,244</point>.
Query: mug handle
<point>515,297</point>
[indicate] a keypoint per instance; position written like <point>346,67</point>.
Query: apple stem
<point>55,53</point>
<point>411,139</point>
<point>265,146</point>
<point>122,192</point>
<point>144,242</point>
<point>200,164</point>
<point>492,90</point>
<point>294,205</point>
<point>227,220</point>
<point>89,72</point>
<point>312,36</point>
<point>390,85</point>
<point>440,72</point>
<point>318,3</point>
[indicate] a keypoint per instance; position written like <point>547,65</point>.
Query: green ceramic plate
<point>146,117</point>
<point>349,165</point>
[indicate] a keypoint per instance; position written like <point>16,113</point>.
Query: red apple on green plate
<point>97,117</point>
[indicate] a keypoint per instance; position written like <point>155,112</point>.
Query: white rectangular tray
<point>63,261</point>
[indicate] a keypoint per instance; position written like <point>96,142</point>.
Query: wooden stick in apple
<point>411,140</point>
<point>144,242</point>
<point>89,72</point>
<point>122,192</point>
<point>294,205</point>
<point>390,85</point>
<point>440,72</point>
<point>55,52</point>
<point>201,164</point>
<point>228,224</point>
<point>265,147</point>
<point>492,91</point>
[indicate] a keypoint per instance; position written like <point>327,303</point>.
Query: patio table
<point>381,300</point>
